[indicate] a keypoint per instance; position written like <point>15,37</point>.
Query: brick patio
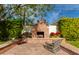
<point>32,49</point>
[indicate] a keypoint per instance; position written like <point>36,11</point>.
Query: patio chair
<point>54,46</point>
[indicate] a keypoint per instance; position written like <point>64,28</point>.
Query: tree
<point>30,12</point>
<point>1,11</point>
<point>27,12</point>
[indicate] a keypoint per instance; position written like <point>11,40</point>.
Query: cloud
<point>63,10</point>
<point>55,15</point>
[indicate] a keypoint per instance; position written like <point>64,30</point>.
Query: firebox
<point>40,34</point>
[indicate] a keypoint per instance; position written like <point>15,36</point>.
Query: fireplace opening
<point>40,34</point>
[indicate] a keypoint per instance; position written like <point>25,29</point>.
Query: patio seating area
<point>31,48</point>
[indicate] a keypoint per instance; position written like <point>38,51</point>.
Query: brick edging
<point>7,47</point>
<point>70,49</point>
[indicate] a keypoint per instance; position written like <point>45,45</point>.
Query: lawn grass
<point>1,42</point>
<point>74,43</point>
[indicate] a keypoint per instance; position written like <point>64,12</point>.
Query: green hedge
<point>69,28</point>
<point>10,29</point>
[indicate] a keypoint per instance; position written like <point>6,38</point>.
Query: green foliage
<point>10,29</point>
<point>30,12</point>
<point>69,28</point>
<point>27,12</point>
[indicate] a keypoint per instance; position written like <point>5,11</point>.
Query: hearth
<point>40,34</point>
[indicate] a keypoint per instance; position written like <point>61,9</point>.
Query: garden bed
<point>74,43</point>
<point>70,48</point>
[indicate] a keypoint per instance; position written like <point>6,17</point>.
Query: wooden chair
<point>54,46</point>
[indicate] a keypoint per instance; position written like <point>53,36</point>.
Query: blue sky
<point>66,10</point>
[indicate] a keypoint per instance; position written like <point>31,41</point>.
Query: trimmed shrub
<point>69,28</point>
<point>10,29</point>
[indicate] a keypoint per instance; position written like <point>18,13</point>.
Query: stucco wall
<point>52,28</point>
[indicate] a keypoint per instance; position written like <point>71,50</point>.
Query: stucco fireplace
<point>40,30</point>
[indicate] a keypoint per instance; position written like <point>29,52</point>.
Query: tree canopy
<point>27,12</point>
